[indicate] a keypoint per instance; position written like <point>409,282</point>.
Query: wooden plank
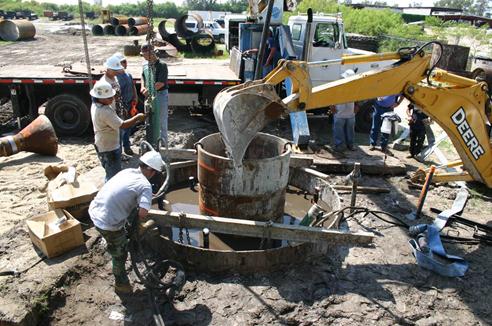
<point>297,161</point>
<point>260,229</point>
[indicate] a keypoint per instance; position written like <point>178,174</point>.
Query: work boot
<point>123,288</point>
<point>144,227</point>
<point>129,151</point>
<point>351,148</point>
<point>372,148</point>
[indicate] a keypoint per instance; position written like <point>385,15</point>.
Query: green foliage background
<point>388,26</point>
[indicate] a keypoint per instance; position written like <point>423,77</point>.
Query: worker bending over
<point>118,198</point>
<point>107,126</point>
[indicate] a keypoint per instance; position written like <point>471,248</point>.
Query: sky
<point>402,3</point>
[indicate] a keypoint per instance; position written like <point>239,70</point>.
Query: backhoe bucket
<point>242,111</point>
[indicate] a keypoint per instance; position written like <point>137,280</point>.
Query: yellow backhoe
<point>461,106</point>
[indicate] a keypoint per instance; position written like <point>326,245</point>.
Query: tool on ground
<point>457,104</point>
<point>38,137</point>
<point>460,219</point>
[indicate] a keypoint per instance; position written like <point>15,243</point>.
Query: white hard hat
<point>102,89</point>
<point>120,56</point>
<point>113,63</point>
<point>153,160</point>
<point>348,73</point>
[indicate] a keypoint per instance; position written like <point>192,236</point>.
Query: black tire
<point>69,115</point>
<point>221,38</point>
<point>363,118</point>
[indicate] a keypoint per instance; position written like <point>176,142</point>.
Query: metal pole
<point>86,48</point>
<point>307,35</point>
<point>424,191</point>
<point>355,181</point>
<point>264,35</point>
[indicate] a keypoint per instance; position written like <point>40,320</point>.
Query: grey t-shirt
<point>118,197</point>
<point>345,111</point>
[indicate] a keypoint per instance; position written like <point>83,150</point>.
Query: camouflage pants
<point>118,249</point>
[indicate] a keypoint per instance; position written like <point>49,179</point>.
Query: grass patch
<point>41,304</point>
<point>2,42</point>
<point>218,48</point>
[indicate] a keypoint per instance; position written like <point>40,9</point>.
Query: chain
<point>181,235</point>
<point>188,236</point>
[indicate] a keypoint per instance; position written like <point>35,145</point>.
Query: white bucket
<point>386,126</point>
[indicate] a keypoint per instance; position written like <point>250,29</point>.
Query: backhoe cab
<point>457,104</point>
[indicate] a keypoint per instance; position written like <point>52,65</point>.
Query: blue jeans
<point>125,137</point>
<point>162,99</point>
<point>343,131</point>
<point>376,127</point>
<point>111,162</point>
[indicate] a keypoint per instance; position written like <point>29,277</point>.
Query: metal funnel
<point>242,111</point>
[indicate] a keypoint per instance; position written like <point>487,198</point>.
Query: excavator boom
<point>457,104</point>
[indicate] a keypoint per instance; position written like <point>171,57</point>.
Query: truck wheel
<point>69,115</point>
<point>221,38</point>
<point>363,118</point>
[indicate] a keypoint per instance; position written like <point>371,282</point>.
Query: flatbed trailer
<point>63,92</point>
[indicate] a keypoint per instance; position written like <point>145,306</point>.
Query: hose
<point>145,147</point>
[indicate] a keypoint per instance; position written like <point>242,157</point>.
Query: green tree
<point>465,5</point>
<point>202,4</point>
<point>480,7</point>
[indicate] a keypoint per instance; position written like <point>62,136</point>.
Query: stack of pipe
<point>16,30</point>
<point>122,26</point>
<point>198,41</point>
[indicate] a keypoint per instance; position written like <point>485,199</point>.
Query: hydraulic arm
<point>457,104</point>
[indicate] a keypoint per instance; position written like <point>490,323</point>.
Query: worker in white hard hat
<point>127,192</point>
<point>107,125</point>
<point>113,69</point>
<point>129,100</point>
<point>344,122</point>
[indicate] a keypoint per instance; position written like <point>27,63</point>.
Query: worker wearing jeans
<point>156,84</point>
<point>344,122</point>
<point>382,105</point>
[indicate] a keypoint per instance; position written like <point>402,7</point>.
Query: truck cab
<point>327,41</point>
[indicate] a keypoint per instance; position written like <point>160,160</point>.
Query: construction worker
<point>344,122</point>
<point>159,86</point>
<point>113,69</point>
<point>107,126</point>
<point>127,192</point>
<point>129,98</point>
<point>382,105</point>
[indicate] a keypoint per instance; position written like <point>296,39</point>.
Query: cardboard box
<point>52,240</point>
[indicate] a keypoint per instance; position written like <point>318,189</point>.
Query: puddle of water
<point>185,200</point>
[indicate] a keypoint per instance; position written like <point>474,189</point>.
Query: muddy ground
<point>378,284</point>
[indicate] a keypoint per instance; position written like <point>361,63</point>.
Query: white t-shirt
<point>115,201</point>
<point>345,110</point>
<point>106,125</point>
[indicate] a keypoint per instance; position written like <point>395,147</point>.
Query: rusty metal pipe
<point>16,30</point>
<point>119,20</point>
<point>38,137</point>
<point>98,30</point>
<point>108,29</point>
<point>183,31</point>
<point>162,28</point>
<point>138,30</point>
<point>136,21</point>
<point>121,30</point>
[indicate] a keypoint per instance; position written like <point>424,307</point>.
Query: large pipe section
<point>16,30</point>
<point>162,28</point>
<point>181,28</point>
<point>121,30</point>
<point>108,29</point>
<point>38,137</point>
<point>257,192</point>
<point>119,20</point>
<point>136,21</point>
<point>98,30</point>
<point>138,30</point>
<point>203,43</point>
